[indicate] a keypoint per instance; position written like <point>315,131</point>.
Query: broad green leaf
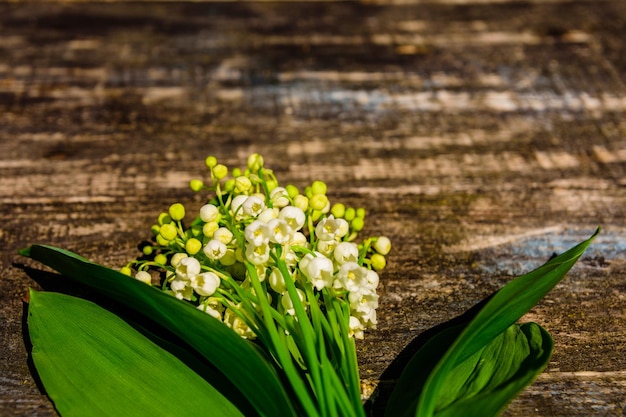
<point>93,363</point>
<point>485,383</point>
<point>427,373</point>
<point>240,361</point>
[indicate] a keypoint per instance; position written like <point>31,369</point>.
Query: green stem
<point>283,356</point>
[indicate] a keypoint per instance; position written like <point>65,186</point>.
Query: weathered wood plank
<point>481,135</point>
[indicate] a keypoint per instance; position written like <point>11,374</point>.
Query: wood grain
<point>482,136</point>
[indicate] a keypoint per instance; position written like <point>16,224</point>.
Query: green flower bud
<point>301,202</point>
<point>161,240</point>
<point>229,258</point>
<point>318,202</point>
<point>292,190</point>
<point>360,212</point>
<point>155,229</point>
<point>382,245</point>
<point>220,171</point>
<point>378,261</point>
<point>318,187</point>
<point>196,185</point>
<point>210,161</point>
<point>126,271</point>
<point>160,259</point>
<point>168,232</point>
<point>229,185</point>
<point>164,218</point>
<point>193,246</point>
<point>237,172</point>
<point>350,214</point>
<point>357,224</point>
<point>147,250</point>
<point>338,210</point>
<point>255,162</point>
<point>177,211</point>
<point>242,184</point>
<point>209,228</point>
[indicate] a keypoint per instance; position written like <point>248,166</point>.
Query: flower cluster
<point>254,239</point>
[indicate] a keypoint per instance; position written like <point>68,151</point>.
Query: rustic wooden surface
<point>481,135</point>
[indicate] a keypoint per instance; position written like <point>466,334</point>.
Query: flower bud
<point>177,211</point>
<point>193,246</point>
<point>220,171</point>
<point>126,271</point>
<point>301,201</point>
<point>196,185</point>
<point>255,162</point>
<point>350,214</point>
<point>144,277</point>
<point>357,224</point>
<point>160,259</point>
<point>210,161</point>
<point>382,245</point>
<point>378,261</point>
<point>338,210</point>
<point>318,201</point>
<point>318,187</point>
<point>168,231</point>
<point>292,190</point>
<point>242,184</point>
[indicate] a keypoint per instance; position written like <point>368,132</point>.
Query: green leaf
<point>93,363</point>
<point>427,374</point>
<point>239,360</point>
<point>485,383</point>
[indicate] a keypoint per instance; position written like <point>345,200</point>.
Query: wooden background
<point>481,135</point>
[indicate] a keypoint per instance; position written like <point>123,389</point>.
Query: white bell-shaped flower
<point>205,283</point>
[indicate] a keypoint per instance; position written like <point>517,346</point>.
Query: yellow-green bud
<point>255,162</point>
<point>318,187</point>
<point>177,211</point>
<point>164,218</point>
<point>357,224</point>
<point>220,171</point>
<point>196,185</point>
<point>316,214</point>
<point>229,258</point>
<point>318,202</point>
<point>382,245</point>
<point>229,185</point>
<point>292,190</point>
<point>350,214</point>
<point>147,250</point>
<point>301,202</point>
<point>168,231</point>
<point>160,259</point>
<point>360,212</point>
<point>237,172</point>
<point>209,228</point>
<point>338,210</point>
<point>210,161</point>
<point>378,261</point>
<point>126,271</point>
<point>193,246</point>
<point>242,184</point>
<point>155,229</point>
<point>161,240</point>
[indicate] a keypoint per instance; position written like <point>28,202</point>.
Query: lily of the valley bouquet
<point>251,307</point>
